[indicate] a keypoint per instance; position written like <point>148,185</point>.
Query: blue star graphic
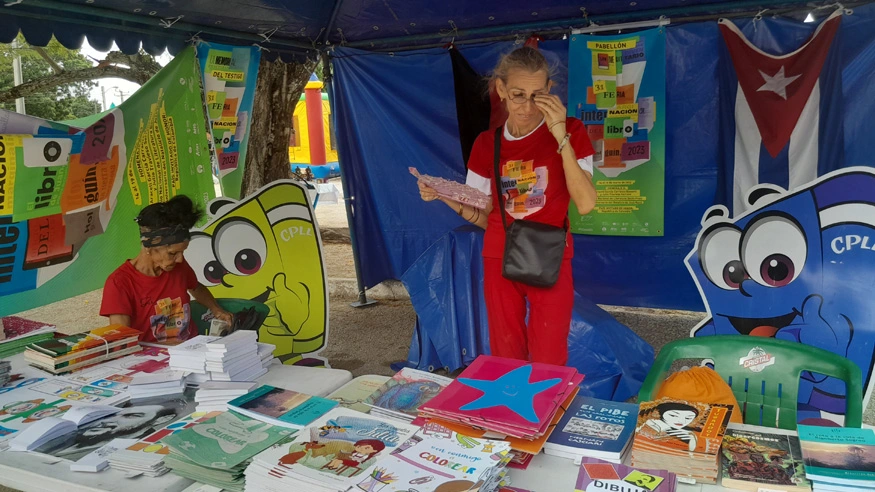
<point>513,391</point>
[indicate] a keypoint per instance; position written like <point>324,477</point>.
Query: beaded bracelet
<point>562,144</point>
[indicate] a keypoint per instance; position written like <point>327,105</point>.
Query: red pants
<point>545,339</point>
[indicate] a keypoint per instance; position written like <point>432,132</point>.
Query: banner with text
<point>616,86</point>
<point>229,74</point>
<point>69,191</point>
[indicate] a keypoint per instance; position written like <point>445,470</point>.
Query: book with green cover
<point>838,455</point>
<point>281,407</point>
<point>224,441</point>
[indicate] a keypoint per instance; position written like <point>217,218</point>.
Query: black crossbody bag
<point>533,251</point>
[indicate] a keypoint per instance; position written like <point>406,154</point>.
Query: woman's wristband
<point>563,143</point>
<point>460,209</point>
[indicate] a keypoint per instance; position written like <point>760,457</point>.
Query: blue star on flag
<point>513,391</point>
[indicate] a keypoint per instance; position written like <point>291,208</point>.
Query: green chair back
<point>230,305</point>
<point>763,373</point>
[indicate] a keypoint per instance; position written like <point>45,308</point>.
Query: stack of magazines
<point>18,333</point>
<point>74,352</point>
<point>400,397</point>
<point>216,452</point>
<point>681,436</point>
<point>506,397</point>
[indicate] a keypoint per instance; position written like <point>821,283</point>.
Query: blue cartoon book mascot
<point>798,266</point>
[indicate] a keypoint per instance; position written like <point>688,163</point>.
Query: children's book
<point>505,395</point>
<point>354,393</point>
<point>595,428</point>
<point>338,450</point>
<point>224,441</point>
<point>838,455</point>
<point>438,461</point>
<point>596,475</point>
<point>281,407</point>
<point>408,389</point>
<point>755,458</point>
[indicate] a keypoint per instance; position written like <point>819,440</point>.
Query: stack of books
<point>18,333</point>
<point>281,407</point>
<point>146,456</point>
<point>838,459</point>
<point>756,458</point>
<point>400,397</point>
<point>191,356</point>
<point>595,474</point>
<point>235,357</point>
<point>5,372</point>
<point>681,436</point>
<point>215,395</point>
<point>74,352</point>
<point>338,451</point>
<point>218,451</point>
<point>160,383</point>
<point>593,428</point>
<point>506,397</point>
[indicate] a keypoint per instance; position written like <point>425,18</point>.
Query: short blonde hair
<point>525,58</point>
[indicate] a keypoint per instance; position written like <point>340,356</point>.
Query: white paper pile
<point>235,357</point>
<point>191,356</point>
<point>5,372</point>
<point>215,395</point>
<point>98,460</point>
<point>161,383</point>
<point>265,353</point>
<point>45,430</point>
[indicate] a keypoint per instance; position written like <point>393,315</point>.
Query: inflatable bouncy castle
<point>312,144</point>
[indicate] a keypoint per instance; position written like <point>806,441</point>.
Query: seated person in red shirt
<point>151,292</point>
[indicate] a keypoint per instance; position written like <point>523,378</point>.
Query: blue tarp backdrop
<point>396,110</point>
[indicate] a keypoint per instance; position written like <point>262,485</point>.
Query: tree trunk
<point>277,92</point>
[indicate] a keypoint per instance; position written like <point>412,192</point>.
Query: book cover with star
<point>510,396</point>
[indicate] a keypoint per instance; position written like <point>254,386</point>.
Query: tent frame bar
<point>568,24</point>
<point>185,29</point>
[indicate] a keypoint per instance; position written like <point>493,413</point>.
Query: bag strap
<point>496,175</point>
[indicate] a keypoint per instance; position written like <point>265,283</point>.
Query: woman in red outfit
<point>151,292</point>
<point>545,162</point>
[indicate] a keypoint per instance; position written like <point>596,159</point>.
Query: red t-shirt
<point>532,177</point>
<point>158,306</point>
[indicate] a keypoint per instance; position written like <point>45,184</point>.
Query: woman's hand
<point>223,315</point>
<point>554,114</point>
<point>427,192</point>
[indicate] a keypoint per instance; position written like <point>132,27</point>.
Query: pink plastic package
<point>454,191</point>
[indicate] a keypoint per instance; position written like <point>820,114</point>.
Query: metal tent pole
<point>348,198</point>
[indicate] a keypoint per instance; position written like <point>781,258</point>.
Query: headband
<point>164,236</point>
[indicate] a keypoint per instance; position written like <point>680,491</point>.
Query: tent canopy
<point>303,28</point>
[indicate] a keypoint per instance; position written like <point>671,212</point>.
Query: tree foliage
<point>61,102</point>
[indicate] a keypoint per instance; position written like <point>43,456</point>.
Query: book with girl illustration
<point>335,449</point>
<point>681,436</point>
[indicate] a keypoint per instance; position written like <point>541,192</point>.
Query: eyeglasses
<point>522,98</point>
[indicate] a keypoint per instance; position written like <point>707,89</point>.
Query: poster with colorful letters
<point>617,88</point>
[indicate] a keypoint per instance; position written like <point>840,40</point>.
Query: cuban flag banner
<point>780,114</point>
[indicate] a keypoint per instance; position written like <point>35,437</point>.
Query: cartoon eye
<point>203,261</point>
<point>774,250</point>
<point>240,247</point>
<point>718,255</point>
